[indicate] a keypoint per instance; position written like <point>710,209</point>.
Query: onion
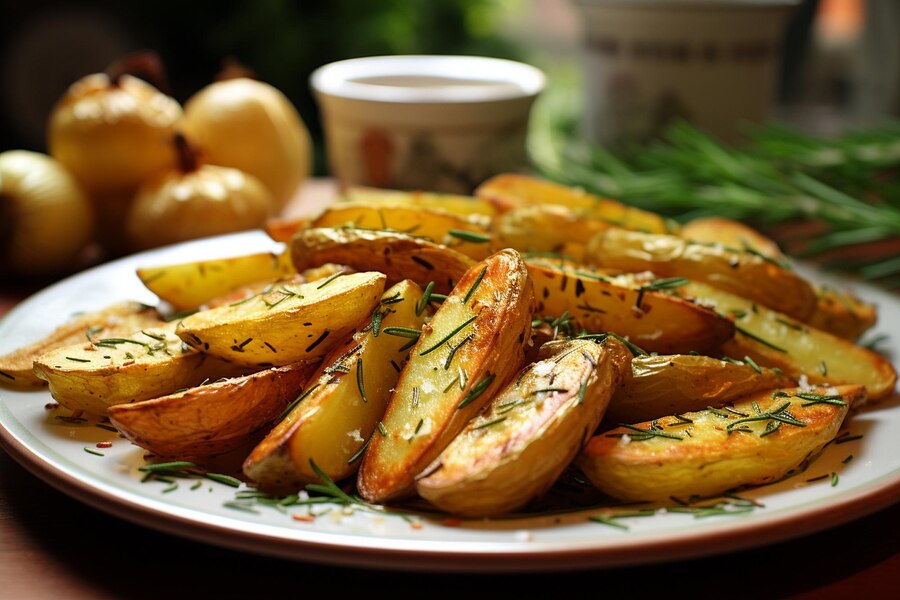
<point>196,200</point>
<point>45,219</point>
<point>251,126</point>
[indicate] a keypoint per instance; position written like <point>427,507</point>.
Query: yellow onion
<point>196,200</point>
<point>113,133</point>
<point>251,126</point>
<point>45,219</point>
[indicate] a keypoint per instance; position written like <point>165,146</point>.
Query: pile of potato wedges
<point>468,350</point>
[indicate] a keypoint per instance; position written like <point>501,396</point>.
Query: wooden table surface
<point>52,546</point>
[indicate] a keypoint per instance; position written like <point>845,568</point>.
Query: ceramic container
<point>648,62</point>
<point>442,123</point>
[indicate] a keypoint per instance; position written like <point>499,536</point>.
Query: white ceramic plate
<point>55,451</point>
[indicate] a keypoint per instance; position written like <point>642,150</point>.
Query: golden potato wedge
<point>451,203</point>
<point>263,287</point>
<point>842,313</point>
<point>519,445</point>
<point>510,191</point>
<point>189,285</point>
<point>472,347</point>
<point>17,367</point>
<point>546,228</point>
<point>288,323</point>
<point>654,320</point>
<point>749,275</point>
<point>146,364</point>
<point>467,235</point>
<point>397,255</point>
<point>343,402</point>
<point>730,233</point>
<point>710,451</point>
<point>213,418</point>
<point>775,340</point>
<point>662,385</point>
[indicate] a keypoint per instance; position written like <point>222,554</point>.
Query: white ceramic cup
<point>649,62</point>
<point>442,123</point>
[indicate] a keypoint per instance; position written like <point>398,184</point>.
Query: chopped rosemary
<point>846,437</point>
<point>92,451</point>
<point>406,332</point>
<point>359,380</point>
<point>7,375</point>
<point>610,521</point>
<point>780,414</point>
<point>329,280</point>
<point>453,350</point>
<point>318,341</point>
<point>426,298</point>
<point>177,465</point>
<point>381,429</point>
<point>834,399</point>
<point>489,423</point>
<point>296,401</point>
<point>358,454</point>
<point>640,435</point>
<point>753,336</point>
<point>469,236</point>
<point>447,337</point>
<point>476,391</point>
<point>475,285</point>
<point>80,360</point>
<point>834,479</point>
<point>659,285</point>
<point>752,364</point>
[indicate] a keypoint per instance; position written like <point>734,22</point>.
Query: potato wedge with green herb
<point>546,228</point>
<point>662,385</point>
<point>288,324</point>
<point>467,235</point>
<point>655,321</point>
<point>147,364</point>
<point>710,451</point>
<point>397,255</point>
<point>752,276</point>
<point>473,345</point>
<point>509,191</point>
<point>775,340</point>
<point>17,367</point>
<point>451,203</point>
<point>189,285</point>
<point>337,414</point>
<point>519,445</point>
<point>263,287</point>
<point>213,418</point>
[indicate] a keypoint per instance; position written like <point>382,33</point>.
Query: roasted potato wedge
<point>17,368</point>
<point>662,385</point>
<point>842,313</point>
<point>730,233</point>
<point>775,340</point>
<point>509,191</point>
<point>397,255</point>
<point>214,418</point>
<point>343,402</point>
<point>147,364</point>
<point>546,228</point>
<point>518,446</point>
<point>189,285</point>
<point>654,320</point>
<point>287,324</point>
<point>451,203</point>
<point>749,275</point>
<point>658,460</point>
<point>263,287</point>
<point>473,345</point>
<point>467,235</point>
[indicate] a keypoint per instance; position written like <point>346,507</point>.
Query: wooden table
<point>52,546</point>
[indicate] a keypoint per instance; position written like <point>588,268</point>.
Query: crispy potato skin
<point>518,446</point>
<point>429,407</point>
<point>797,348</point>
<point>748,275</point>
<point>842,313</point>
<point>711,461</point>
<point>92,377</point>
<point>663,323</point>
<point>17,368</point>
<point>332,422</point>
<point>288,324</point>
<point>211,419</point>
<point>398,256</point>
<point>662,385</point>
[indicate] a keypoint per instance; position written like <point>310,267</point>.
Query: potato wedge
<point>662,323</point>
<point>211,419</point>
<point>397,255</point>
<point>287,324</point>
<point>749,275</point>
<point>147,364</point>
<point>451,203</point>
<point>342,404</point>
<point>519,445</point>
<point>662,385</point>
<point>730,233</point>
<point>842,313</point>
<point>723,451</point>
<point>776,340</point>
<point>472,347</point>
<point>510,191</point>
<point>189,285</point>
<point>546,228</point>
<point>467,235</point>
<point>17,367</point>
<point>260,287</point>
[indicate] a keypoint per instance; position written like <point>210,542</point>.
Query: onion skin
<point>47,220</point>
<point>249,125</point>
<point>209,200</point>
